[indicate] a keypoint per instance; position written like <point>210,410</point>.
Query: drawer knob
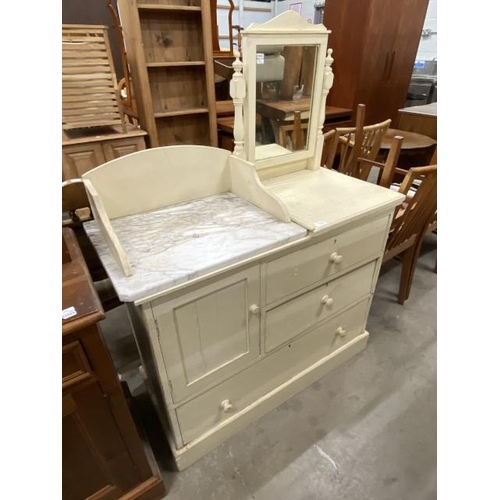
<point>226,406</point>
<point>336,258</point>
<point>327,301</point>
<point>255,309</point>
<point>341,332</point>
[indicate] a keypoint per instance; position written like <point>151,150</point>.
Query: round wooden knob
<point>255,309</point>
<point>326,300</point>
<point>226,406</point>
<point>341,331</point>
<point>336,258</point>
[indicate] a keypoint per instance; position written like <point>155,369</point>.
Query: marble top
<point>176,244</point>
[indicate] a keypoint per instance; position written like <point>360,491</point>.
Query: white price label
<point>67,313</point>
<point>260,58</point>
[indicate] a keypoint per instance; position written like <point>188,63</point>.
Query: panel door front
<point>80,159</point>
<point>95,458</point>
<point>209,333</point>
<point>122,147</point>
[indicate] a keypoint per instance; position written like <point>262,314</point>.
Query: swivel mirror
<point>283,63</point>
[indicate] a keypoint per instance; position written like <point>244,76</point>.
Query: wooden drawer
<point>288,320</point>
<point>227,399</point>
<point>317,262</point>
<point>75,365</point>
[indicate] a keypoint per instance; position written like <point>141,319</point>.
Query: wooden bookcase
<point>169,46</point>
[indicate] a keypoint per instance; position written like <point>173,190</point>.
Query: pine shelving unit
<point>169,47</point>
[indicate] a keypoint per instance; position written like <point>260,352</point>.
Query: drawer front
<point>232,396</point>
<point>305,267</point>
<point>288,320</point>
<point>75,366</point>
<point>209,333</point>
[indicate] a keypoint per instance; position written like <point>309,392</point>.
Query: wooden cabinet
<point>374,48</point>
<point>85,149</point>
<point>102,453</point>
<point>169,46</point>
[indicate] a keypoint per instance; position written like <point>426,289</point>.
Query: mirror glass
<point>284,86</point>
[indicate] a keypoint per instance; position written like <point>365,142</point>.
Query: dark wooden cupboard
<point>374,44</point>
<point>102,454</point>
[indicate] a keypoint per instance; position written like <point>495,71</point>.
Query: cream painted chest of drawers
<point>247,277</point>
<point>242,344</point>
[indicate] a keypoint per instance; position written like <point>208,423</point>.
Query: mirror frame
<point>286,29</point>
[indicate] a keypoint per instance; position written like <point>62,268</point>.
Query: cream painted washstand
<point>247,276</point>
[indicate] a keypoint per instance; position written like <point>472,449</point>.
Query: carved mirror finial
<point>237,90</point>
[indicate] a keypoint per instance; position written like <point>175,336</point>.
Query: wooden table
<point>284,110</point>
<point>334,117</point>
<point>102,453</point>
<point>416,149</point>
<point>411,140</point>
<point>224,108</point>
<point>419,119</point>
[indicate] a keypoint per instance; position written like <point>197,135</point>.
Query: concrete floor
<point>365,431</point>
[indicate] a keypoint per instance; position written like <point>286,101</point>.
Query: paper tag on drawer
<point>68,312</point>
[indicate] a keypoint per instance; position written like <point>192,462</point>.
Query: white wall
<point>427,50</point>
<point>306,8</point>
<point>265,12</point>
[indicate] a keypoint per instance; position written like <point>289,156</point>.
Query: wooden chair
<point>411,222</point>
<point>75,211</point>
<point>294,135</point>
<point>386,169</point>
<point>355,146</point>
<point>328,154</point>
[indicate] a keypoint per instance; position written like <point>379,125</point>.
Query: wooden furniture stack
<point>102,454</point>
<point>169,47</point>
<point>94,126</point>
<point>375,44</point>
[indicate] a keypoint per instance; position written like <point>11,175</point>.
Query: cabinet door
<point>404,52</point>
<point>209,333</point>
<point>122,147</point>
<point>95,459</point>
<point>80,159</point>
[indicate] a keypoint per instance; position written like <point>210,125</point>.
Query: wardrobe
<point>375,44</point>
